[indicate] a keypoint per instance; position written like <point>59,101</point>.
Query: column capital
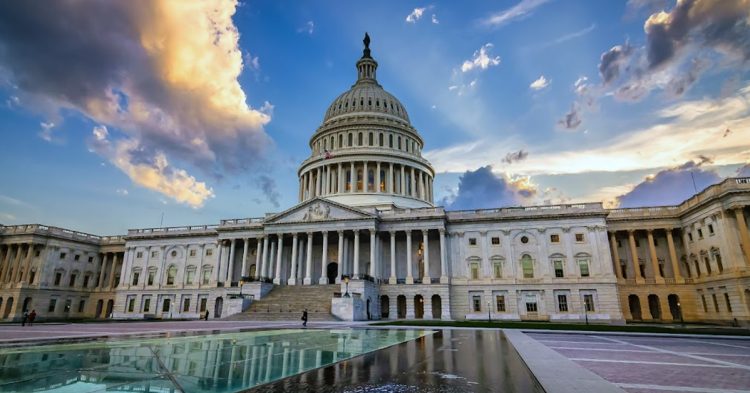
<point>392,232</point>
<point>325,233</point>
<point>340,232</point>
<point>650,231</point>
<point>442,231</point>
<point>631,231</point>
<point>425,232</point>
<point>372,231</point>
<point>309,233</point>
<point>295,235</point>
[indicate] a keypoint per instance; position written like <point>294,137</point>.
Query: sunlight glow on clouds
<point>164,73</point>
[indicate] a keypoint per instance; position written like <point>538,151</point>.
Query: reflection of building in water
<point>366,211</point>
<point>194,363</point>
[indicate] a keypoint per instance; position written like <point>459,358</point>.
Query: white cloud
<point>308,27</point>
<point>521,10</point>
<point>435,19</point>
<point>481,59</point>
<point>46,132</point>
<point>122,191</point>
<point>540,83</point>
<point>415,15</point>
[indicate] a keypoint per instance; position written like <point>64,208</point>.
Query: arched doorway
<point>635,307</point>
<point>8,307</point>
<point>218,306</point>
<point>437,307</point>
<point>369,316</point>
<point>401,306</point>
<point>385,306</point>
<point>674,309</point>
<point>653,306</point>
<point>418,307</point>
<point>110,306</point>
<point>26,304</point>
<point>332,271</point>
<point>99,306</point>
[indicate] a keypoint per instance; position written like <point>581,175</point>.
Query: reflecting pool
<point>229,362</point>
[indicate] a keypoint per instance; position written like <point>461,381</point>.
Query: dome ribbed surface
<point>366,98</point>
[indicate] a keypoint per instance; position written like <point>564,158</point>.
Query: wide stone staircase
<point>286,303</point>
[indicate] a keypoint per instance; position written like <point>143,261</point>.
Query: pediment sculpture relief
<point>317,212</point>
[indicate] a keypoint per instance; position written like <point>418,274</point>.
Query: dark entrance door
<point>99,306</point>
<point>332,271</point>
<point>218,306</point>
<point>110,306</point>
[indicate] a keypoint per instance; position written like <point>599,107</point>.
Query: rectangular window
<point>86,281</point>
<point>136,277</point>
<point>705,306</point>
<point>588,302</point>
<point>579,237</point>
<point>58,278</point>
<point>154,254</point>
<point>206,276</point>
<point>472,241</point>
<point>192,253</point>
<point>190,277</point>
<point>67,305</point>
<point>91,259</point>
<point>131,303</point>
<point>77,257</point>
<point>476,302</point>
<point>690,236</point>
<point>52,305</point>
<point>562,303</point>
<point>72,281</point>
<point>700,234</point>
<point>554,238</point>
<point>204,302</point>
<point>139,254</point>
<point>186,304</point>
<point>62,255</point>
<point>474,271</point>
<point>583,264</point>
<point>558,268</point>
<point>716,302</point>
<point>531,306</point>
<point>498,270</point>
<point>729,304</point>
<point>151,276</point>
<point>147,304</point>
<point>710,229</point>
<point>209,252</point>
<point>500,303</point>
<point>495,241</point>
<point>81,305</point>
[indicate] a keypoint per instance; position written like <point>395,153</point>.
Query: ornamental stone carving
<point>317,212</point>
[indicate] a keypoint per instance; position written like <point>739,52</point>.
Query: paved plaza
<point>651,364</point>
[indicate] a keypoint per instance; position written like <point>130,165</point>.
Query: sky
<point>137,114</point>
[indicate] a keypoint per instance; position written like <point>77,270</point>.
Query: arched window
<point>371,140</point>
<point>380,137</point>
<point>351,140</point>
<point>399,143</point>
<point>171,274</point>
<point>190,275</point>
<point>359,139</point>
<point>341,141</point>
<point>390,141</point>
<point>497,266</point>
<point>528,266</point>
<point>206,275</point>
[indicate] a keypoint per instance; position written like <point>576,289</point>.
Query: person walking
<point>304,318</point>
<point>24,318</point>
<point>32,317</point>
<point>205,317</point>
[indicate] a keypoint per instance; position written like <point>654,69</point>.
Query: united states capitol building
<point>366,241</point>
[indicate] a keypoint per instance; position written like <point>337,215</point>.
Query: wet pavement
<point>447,361</point>
<point>650,364</point>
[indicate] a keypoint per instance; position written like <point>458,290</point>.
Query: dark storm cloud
<point>268,186</point>
<point>482,189</point>
<point>671,186</point>
<point>572,119</point>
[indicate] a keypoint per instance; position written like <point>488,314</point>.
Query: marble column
<point>27,263</point>
<point>264,261</point>
<point>352,179</point>
<point>243,272</point>
<point>409,276</point>
<point>652,255</point>
<point>230,263</point>
<point>103,269</point>
<point>323,264</point>
<point>340,257</point>
<point>390,178</point>
<point>615,254</point>
<point>634,255</point>
<point>393,279</point>
<point>378,180</point>
<point>258,252</point>
<point>402,182</point>
<point>673,256</point>
<point>308,262</point>
<point>277,279</point>
<point>341,178</point>
<point>112,268</point>
<point>426,240</point>
<point>365,178</point>
<point>443,259</point>
<point>372,254</point>
<point>355,273</point>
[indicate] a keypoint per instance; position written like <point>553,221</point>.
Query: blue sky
<point>114,115</point>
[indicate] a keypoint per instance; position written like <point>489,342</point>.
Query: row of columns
<point>16,258</point>
<point>110,260</point>
<point>388,178</point>
<point>652,255</point>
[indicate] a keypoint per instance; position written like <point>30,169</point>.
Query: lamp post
<point>489,315</point>
<point>346,281</point>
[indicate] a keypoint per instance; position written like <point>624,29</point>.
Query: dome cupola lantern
<point>366,153</point>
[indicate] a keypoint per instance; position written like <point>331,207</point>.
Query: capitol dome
<point>366,152</point>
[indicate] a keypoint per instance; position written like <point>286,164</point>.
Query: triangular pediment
<point>318,210</point>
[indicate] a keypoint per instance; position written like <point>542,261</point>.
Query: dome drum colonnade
<point>366,152</point>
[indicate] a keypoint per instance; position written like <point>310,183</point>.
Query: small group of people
<point>28,318</point>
